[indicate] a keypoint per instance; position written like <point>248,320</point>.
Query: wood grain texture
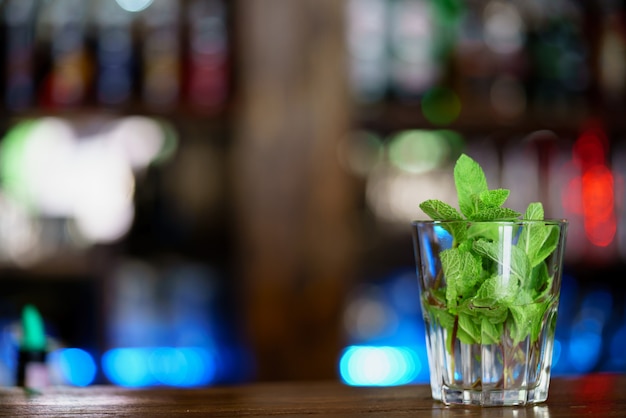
<point>601,395</point>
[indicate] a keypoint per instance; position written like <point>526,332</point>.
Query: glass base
<point>506,373</point>
<point>496,397</point>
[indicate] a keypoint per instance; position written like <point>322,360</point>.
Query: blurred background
<point>204,192</point>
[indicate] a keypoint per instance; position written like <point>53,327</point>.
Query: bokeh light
<point>127,367</point>
<point>585,347</point>
<point>360,151</point>
<point>418,151</point>
<point>75,366</point>
<point>368,316</point>
<point>367,47</point>
<point>143,367</point>
<point>54,168</point>
<point>592,193</point>
<point>417,168</point>
<point>413,38</point>
<point>378,366</point>
<point>599,205</point>
<point>35,164</point>
<point>503,27</point>
<point>441,106</point>
<point>395,195</point>
<point>617,352</point>
<point>102,205</point>
<point>134,5</point>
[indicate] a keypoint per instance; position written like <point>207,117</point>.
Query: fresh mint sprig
<point>486,291</point>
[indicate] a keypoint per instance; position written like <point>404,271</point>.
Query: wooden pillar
<point>294,203</point>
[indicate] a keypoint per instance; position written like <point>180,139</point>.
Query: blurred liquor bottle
<point>114,54</point>
<point>64,24</point>
<point>398,49</point>
<point>561,60</point>
<point>367,25</point>
<point>491,64</point>
<point>207,57</point>
<point>18,46</point>
<point>161,55</point>
<point>422,35</point>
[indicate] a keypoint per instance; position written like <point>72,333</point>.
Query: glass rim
<point>547,221</point>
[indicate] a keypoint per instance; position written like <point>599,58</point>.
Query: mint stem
<point>455,328</point>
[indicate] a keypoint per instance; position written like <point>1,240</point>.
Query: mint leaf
<point>514,263</point>
<point>538,241</point>
<point>468,331</point>
<point>489,332</point>
<point>440,211</point>
<point>436,315</point>
<point>470,180</point>
<point>549,245</point>
<point>537,313</point>
<point>534,212</point>
<point>494,198</point>
<point>496,313</point>
<point>462,271</point>
<point>518,324</point>
<point>443,317</point>
<point>488,230</point>
<point>539,282</point>
<point>495,214</point>
<point>525,321</point>
<point>531,241</point>
<point>496,290</point>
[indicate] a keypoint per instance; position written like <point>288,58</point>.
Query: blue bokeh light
<point>201,366</point>
<point>378,366</point>
<point>584,350</point>
<point>168,366</point>
<point>141,367</point>
<point>75,366</point>
<point>556,353</point>
<point>600,301</point>
<point>128,367</point>
<point>618,354</point>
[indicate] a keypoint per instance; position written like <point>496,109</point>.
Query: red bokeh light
<point>592,194</point>
<point>589,151</point>
<point>599,205</point>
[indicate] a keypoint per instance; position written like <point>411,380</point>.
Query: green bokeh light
<point>441,106</point>
<point>13,152</point>
<point>170,143</point>
<point>418,151</point>
<point>455,140</point>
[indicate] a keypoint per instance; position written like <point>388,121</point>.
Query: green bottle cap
<point>33,333</point>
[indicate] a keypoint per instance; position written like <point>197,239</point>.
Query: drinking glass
<point>489,303</point>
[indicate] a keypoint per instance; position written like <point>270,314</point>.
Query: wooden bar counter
<point>598,395</point>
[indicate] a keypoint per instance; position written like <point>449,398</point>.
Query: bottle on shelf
<point>19,48</point>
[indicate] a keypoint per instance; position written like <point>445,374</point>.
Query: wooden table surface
<point>598,396</point>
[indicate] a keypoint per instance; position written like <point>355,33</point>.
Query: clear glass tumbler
<point>489,297</point>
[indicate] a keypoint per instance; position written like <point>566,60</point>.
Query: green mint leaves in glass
<point>489,279</point>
